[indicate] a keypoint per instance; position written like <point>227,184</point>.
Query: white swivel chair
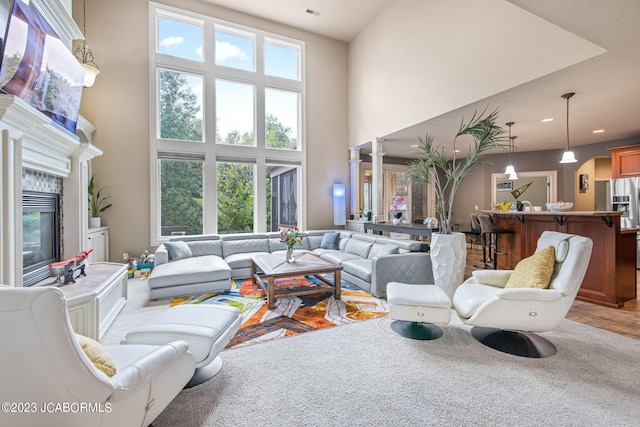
<point>42,363</point>
<point>505,318</point>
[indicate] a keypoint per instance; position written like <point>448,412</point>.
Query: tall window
<point>227,134</point>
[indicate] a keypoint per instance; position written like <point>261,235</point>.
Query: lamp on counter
<point>85,56</point>
<point>568,156</point>
<point>339,204</point>
<point>510,170</point>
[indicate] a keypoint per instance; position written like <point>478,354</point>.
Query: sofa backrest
<point>206,247</point>
<point>356,247</point>
<point>276,245</point>
<point>243,243</point>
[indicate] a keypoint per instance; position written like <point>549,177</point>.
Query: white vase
<point>395,221</point>
<point>448,260</point>
<point>95,222</point>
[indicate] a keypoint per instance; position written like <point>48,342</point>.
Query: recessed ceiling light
<point>414,145</point>
<point>598,131</point>
<point>456,151</point>
<point>548,119</point>
<point>313,12</point>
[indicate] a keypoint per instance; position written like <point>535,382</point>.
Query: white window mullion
<point>210,196</point>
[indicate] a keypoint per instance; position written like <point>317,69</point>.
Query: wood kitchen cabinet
<point>611,276</point>
<point>625,161</point>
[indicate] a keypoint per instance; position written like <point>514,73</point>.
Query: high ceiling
<point>607,86</point>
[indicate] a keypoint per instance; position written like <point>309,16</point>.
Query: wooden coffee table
<point>271,267</point>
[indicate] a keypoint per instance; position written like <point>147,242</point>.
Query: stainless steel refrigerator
<point>625,198</point>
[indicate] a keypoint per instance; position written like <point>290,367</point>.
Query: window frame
<point>211,152</point>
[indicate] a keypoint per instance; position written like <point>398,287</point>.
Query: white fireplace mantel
<point>31,140</point>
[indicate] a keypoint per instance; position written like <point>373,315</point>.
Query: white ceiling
<point>607,86</point>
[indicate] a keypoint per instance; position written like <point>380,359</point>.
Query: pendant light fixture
<point>568,156</point>
<point>510,170</point>
<point>513,175</point>
<point>85,56</point>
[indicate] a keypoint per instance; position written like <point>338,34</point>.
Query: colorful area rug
<point>291,315</point>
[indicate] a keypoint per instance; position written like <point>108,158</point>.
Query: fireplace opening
<point>40,235</point>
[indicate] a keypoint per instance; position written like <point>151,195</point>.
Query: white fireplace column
<point>10,208</point>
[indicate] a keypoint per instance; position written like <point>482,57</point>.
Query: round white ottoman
<point>207,328</point>
<point>414,309</point>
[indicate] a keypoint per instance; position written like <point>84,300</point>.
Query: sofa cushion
<point>534,271</point>
<point>378,250</point>
<point>206,247</point>
<point>358,247</point>
<point>330,241</point>
<point>178,250</point>
<point>242,260</point>
<point>208,268</point>
<point>360,268</point>
<point>337,257</point>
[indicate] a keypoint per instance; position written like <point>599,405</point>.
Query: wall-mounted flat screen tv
<point>39,68</point>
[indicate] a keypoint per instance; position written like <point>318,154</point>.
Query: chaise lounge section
<point>190,265</point>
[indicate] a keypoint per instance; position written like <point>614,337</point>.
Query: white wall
<point>418,59</point>
<point>118,34</point>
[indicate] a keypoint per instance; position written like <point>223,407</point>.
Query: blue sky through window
<point>235,110</point>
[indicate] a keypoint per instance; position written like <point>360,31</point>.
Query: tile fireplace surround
<point>31,141</point>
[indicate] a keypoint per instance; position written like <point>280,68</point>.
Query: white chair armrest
<point>129,379</point>
<point>497,278</point>
<point>532,294</point>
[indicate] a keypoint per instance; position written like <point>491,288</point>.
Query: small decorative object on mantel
<point>70,269</point>
<point>290,237</point>
<point>96,204</point>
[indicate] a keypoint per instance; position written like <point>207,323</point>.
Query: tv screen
<point>39,68</point>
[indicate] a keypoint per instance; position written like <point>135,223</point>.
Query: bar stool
<point>490,232</point>
<point>475,233</point>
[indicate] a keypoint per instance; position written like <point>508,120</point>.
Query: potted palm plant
<point>449,250</point>
<point>96,204</point>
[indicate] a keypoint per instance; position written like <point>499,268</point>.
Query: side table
<point>94,301</point>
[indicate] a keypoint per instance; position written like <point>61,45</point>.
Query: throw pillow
<point>178,250</point>
<point>97,354</point>
<point>330,241</point>
<point>534,271</point>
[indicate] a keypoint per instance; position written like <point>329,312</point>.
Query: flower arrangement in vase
<point>290,237</point>
<point>395,209</point>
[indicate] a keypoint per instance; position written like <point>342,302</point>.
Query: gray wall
<point>476,190</point>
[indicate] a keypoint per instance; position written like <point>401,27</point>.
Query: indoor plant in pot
<point>449,250</point>
<point>96,204</point>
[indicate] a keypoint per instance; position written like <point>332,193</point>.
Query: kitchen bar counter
<point>611,276</point>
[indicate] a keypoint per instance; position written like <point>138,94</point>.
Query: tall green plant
<point>447,175</point>
<point>96,200</point>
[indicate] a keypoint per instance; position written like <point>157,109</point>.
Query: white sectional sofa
<point>369,261</point>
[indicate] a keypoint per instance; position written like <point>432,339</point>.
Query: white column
<point>377,199</point>
<point>11,209</point>
<point>355,184</point>
<point>75,200</point>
